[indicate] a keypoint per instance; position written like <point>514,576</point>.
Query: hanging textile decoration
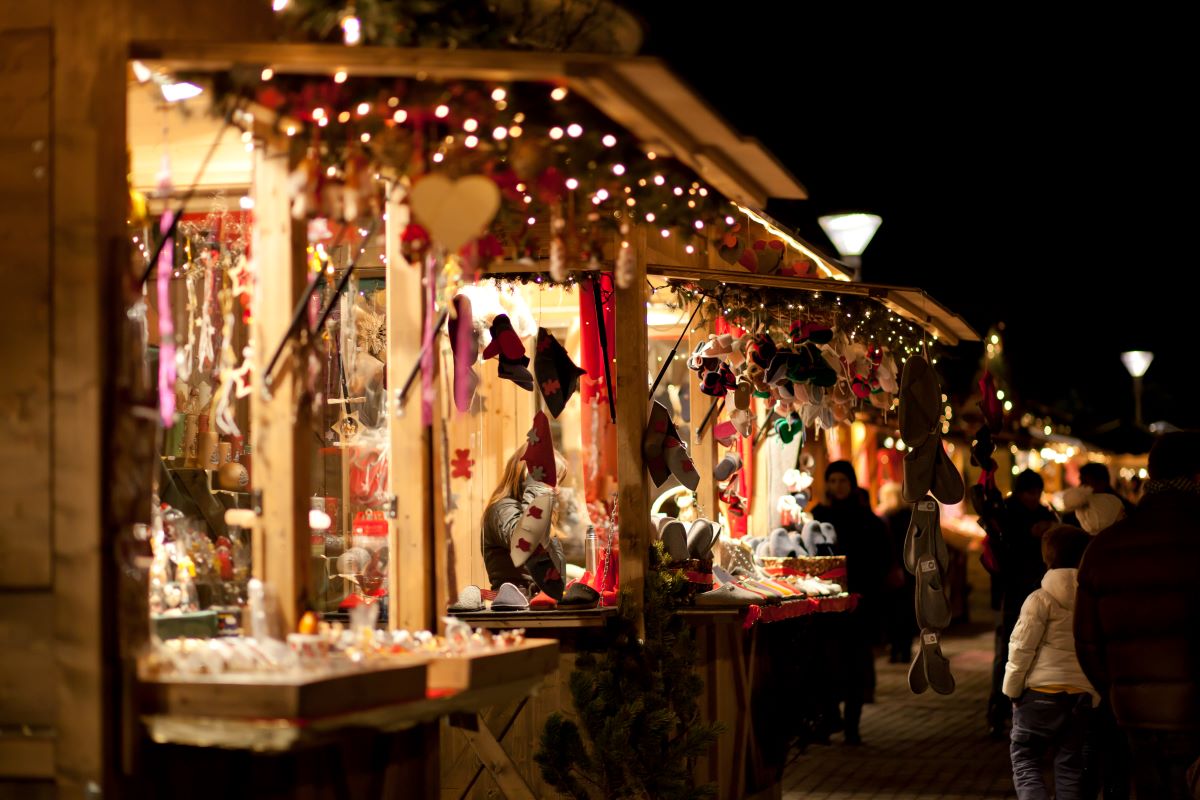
<point>599,432</point>
<point>539,451</point>
<point>506,347</point>
<point>166,326</point>
<point>465,347</point>
<point>557,375</point>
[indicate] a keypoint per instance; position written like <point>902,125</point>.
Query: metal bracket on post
<point>389,507</point>
<point>256,502</point>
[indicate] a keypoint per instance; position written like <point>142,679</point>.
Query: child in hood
<point>1052,699</point>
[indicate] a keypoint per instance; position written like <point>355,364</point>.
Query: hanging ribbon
<point>166,326</point>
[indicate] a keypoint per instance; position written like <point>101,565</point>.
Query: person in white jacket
<point>1052,699</point>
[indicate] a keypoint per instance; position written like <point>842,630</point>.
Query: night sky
<point>1031,171</point>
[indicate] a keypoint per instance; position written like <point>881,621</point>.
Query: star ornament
<point>347,429</point>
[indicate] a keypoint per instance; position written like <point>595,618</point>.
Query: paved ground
<point>917,746</point>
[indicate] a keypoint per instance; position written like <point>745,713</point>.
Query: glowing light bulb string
<point>169,233</point>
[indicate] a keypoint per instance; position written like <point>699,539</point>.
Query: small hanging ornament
<point>347,428</point>
<point>558,250</point>
<point>460,467</point>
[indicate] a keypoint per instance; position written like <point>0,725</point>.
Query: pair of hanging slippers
<point>927,558</point>
<point>930,668</point>
<point>789,428</point>
<point>664,452</point>
<point>507,348</point>
<point>927,467</point>
<point>696,542</point>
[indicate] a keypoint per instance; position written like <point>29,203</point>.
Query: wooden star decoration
<point>347,428</point>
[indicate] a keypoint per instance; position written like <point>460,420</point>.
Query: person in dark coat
<point>1020,568</point>
<point>900,613</point>
<point>863,540</point>
<point>1137,620</point>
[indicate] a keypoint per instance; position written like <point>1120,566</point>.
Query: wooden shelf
<point>503,620</point>
<point>533,657</point>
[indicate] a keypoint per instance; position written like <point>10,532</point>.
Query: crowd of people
<point>1097,662</point>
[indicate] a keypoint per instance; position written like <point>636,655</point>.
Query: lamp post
<point>1137,362</point>
<point>850,234</point>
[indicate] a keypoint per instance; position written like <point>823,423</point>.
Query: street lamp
<point>850,234</point>
<point>1137,362</point>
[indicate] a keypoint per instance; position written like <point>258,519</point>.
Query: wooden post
<point>280,425</point>
<point>411,534</point>
<point>632,384</point>
<point>703,448</point>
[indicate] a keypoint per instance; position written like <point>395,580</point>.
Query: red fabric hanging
<point>599,433</point>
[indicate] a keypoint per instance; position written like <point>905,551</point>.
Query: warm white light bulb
<point>400,115</point>
<point>618,169</point>
<point>574,130</point>
<point>500,132</point>
<point>471,125</point>
<point>609,140</point>
<point>572,184</point>
<point>556,133</point>
<point>351,30</point>
<point>499,94</point>
<point>558,93</point>
<point>442,111</point>
<point>267,74</point>
<point>363,108</point>
<point>339,76</point>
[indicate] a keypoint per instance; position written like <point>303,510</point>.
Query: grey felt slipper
<point>727,466</point>
<point>937,666</point>
<point>917,682</point>
<point>948,486</point>
<point>924,536</point>
<point>920,401</point>
<point>469,599</point>
<point>701,538</point>
<point>933,609</point>
<point>510,598</point>
<point>919,464</point>
<point>781,545</point>
<point>797,543</point>
<point>811,537</point>
<point>729,595</point>
<point>674,539</point>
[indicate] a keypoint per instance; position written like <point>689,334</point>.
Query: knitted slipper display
<point>469,599</point>
<point>510,598</point>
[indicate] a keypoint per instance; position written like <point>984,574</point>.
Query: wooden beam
<point>703,447</point>
<point>630,375</point>
<point>280,424</point>
<point>411,533</point>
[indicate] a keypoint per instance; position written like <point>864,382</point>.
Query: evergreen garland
<point>639,732</point>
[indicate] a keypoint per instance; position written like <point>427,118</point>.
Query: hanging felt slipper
<point>741,395</point>
<point>465,347</point>
<point>727,466</point>
<point>701,538</point>
<point>510,598</point>
<point>557,375</point>
<point>658,427</point>
<point>920,401</point>
<point>933,609</point>
<point>789,428</point>
<point>539,451</point>
<point>924,537</point>
<point>533,531</point>
<point>917,682</point>
<point>469,599</point>
<point>918,466</point>
<point>937,666</point>
<point>725,433</point>
<point>674,539</point>
<point>680,463</point>
<point>947,485</point>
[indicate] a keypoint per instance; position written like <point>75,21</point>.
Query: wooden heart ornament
<point>455,211</point>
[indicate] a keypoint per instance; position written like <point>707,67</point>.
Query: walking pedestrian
<point>1136,627</point>
<point>1052,699</point>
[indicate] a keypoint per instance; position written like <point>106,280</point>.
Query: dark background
<point>1029,170</point>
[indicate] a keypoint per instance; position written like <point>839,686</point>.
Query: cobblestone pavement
<point>917,746</point>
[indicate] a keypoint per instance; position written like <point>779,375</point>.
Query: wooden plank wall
<point>27,672</point>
